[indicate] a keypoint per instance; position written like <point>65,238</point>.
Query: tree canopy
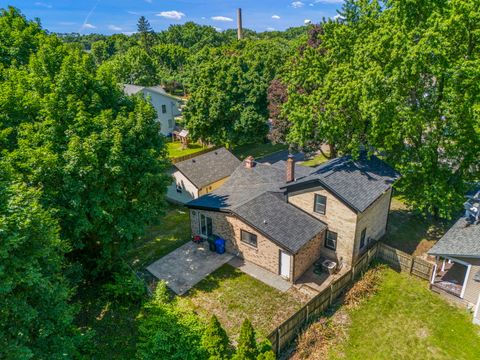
<point>401,78</point>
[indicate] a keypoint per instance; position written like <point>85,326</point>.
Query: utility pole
<point>239,24</point>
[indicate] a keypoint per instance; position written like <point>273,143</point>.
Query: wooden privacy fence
<point>398,260</point>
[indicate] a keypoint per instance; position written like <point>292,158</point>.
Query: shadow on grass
<point>410,232</point>
<point>214,281</point>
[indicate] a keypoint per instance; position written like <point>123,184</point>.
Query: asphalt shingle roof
<point>356,182</point>
<point>459,240</point>
<point>285,224</point>
<point>255,196</point>
<point>208,168</point>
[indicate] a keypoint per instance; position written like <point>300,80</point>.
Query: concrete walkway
<point>259,273</point>
<point>184,267</point>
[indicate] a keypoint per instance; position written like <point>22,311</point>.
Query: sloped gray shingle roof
<point>459,240</point>
<point>285,224</point>
<point>208,168</point>
<point>356,182</point>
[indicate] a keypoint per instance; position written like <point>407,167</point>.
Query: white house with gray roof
<point>166,105</point>
<point>457,253</point>
<point>284,217</point>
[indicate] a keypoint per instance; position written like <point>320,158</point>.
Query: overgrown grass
<point>175,149</point>
<point>410,232</point>
<point>114,323</point>
<point>233,296</point>
<point>257,150</point>
<point>172,232</point>
<point>404,320</point>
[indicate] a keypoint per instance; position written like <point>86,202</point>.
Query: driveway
<point>184,267</point>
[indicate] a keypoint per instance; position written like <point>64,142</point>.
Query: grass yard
<point>257,150</point>
<point>315,160</point>
<point>172,232</point>
<point>233,296</point>
<point>404,320</point>
<point>175,149</point>
<point>410,232</point>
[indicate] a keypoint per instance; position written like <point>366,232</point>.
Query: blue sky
<point>117,16</point>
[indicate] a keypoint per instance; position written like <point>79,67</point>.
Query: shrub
<point>215,340</point>
<point>126,287</point>
<point>247,345</point>
<point>167,331</point>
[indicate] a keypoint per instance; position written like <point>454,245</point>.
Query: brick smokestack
<point>290,169</point>
<point>250,162</point>
<point>239,24</point>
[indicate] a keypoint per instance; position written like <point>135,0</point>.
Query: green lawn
<point>404,320</point>
<point>172,231</point>
<point>175,149</point>
<point>233,296</point>
<point>257,150</point>
<point>315,160</point>
<point>410,232</point>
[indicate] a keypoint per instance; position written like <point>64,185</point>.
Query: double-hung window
<point>164,109</point>
<point>331,240</point>
<point>249,238</point>
<point>320,204</point>
<point>206,225</point>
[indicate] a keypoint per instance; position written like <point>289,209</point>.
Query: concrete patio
<point>184,267</point>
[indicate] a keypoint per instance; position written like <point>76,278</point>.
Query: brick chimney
<point>249,162</point>
<point>290,169</point>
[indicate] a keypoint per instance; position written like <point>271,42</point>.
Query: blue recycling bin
<point>220,245</point>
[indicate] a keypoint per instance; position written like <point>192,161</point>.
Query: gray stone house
<point>283,217</point>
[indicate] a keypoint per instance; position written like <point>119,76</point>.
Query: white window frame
<point>204,218</point>
<point>326,240</point>
<point>315,204</point>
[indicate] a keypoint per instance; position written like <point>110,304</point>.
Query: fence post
<point>412,261</point>
<point>331,295</point>
<point>278,340</point>
<point>307,313</point>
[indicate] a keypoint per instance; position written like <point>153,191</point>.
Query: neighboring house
<point>166,106</point>
<point>284,216</point>
<point>457,253</point>
<point>201,175</point>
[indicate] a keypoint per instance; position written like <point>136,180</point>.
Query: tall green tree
<point>146,33</point>
<point>400,78</point>
<point>228,102</point>
<point>36,317</point>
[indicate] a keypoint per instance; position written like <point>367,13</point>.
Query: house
<point>166,106</point>
<point>201,175</point>
<point>457,253</point>
<point>284,217</point>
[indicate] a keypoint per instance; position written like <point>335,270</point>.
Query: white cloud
<point>128,33</point>
<point>172,14</point>
<point>42,4</point>
<point>276,17</point>
<point>114,28</point>
<point>297,4</point>
<point>221,18</point>
<point>218,29</point>
<point>203,17</point>
<point>270,29</point>
<point>328,1</point>
<point>307,21</point>
<point>337,17</point>
<point>88,26</point>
